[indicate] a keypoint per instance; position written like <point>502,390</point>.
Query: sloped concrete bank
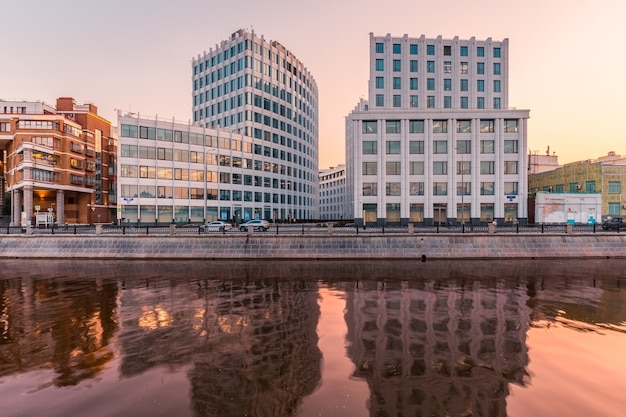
<point>257,246</point>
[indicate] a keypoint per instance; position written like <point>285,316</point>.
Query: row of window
<point>615,187</point>
<point>430,84</point>
<point>394,189</point>
<point>439,126</point>
<point>440,211</point>
<point>431,67</point>
<point>431,102</point>
<point>439,168</point>
<point>430,50</point>
<point>151,191</point>
<point>416,147</point>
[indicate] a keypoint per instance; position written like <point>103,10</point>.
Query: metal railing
<point>303,229</point>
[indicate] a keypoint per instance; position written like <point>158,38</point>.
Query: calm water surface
<point>191,338</point>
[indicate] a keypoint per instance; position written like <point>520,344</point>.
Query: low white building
<point>568,208</point>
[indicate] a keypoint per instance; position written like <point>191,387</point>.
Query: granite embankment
<point>260,246</point>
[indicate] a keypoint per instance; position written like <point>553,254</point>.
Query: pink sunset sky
<point>567,58</point>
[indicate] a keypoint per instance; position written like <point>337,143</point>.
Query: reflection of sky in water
<point>344,339</point>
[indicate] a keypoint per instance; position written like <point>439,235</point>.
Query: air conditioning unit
<point>624,206</point>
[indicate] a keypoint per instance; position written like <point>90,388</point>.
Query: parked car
<point>217,226</point>
<point>615,223</point>
<point>256,225</point>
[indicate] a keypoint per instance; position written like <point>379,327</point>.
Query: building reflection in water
<point>429,339</point>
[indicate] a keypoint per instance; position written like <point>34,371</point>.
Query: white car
<point>217,226</point>
<point>256,225</point>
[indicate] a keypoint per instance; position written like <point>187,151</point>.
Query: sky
<point>566,57</point>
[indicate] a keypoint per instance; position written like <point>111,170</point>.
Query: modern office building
<point>178,172</point>
<point>605,175</point>
<point>333,193</point>
<point>257,88</point>
<point>436,142</point>
<point>59,162</point>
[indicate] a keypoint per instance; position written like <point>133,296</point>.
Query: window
<point>380,100</point>
<point>430,102</point>
<point>447,67</point>
<point>487,167</point>
<point>486,146</point>
<point>447,102</point>
<point>558,188</point>
<point>447,84</point>
<point>510,126</point>
<point>590,186</point>
<point>430,66</point>
<point>392,168</point>
<point>397,100</point>
<point>463,188</point>
<point>430,84</point>
<point>440,146</point>
<point>392,126</point>
<point>463,167</point>
<point>496,68</point>
<point>447,50</point>
<point>370,126</point>
<point>480,85</point>
<point>416,168</point>
<point>380,82</point>
<point>380,48</point>
<point>463,51</point>
<point>392,147</point>
<point>370,168</point>
<point>464,102</point>
<point>413,49</point>
<point>370,189</point>
<point>496,86</point>
<point>496,52</point>
<point>486,188</point>
<point>440,126</point>
<point>440,188</point>
<point>397,65</point>
<point>463,147</point>
<point>464,126</point>
<point>614,209</point>
<point>413,83</point>
<point>370,147</point>
<point>380,65</point>
<point>413,101</point>
<point>416,147</point>
<point>497,102</point>
<point>480,102</point>
<point>397,83</point>
<point>510,146</point>
<point>416,188</point>
<point>480,51</point>
<point>430,49</point>
<point>487,126</point>
<point>480,68</point>
<point>573,187</point>
<point>416,126</point>
<point>510,167</point>
<point>615,187</point>
<point>397,48</point>
<point>510,188</point>
<point>464,67</point>
<point>392,189</point>
<point>413,65</point>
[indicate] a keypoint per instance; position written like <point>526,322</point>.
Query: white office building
<point>437,142</point>
<point>259,89</point>
<point>333,193</point>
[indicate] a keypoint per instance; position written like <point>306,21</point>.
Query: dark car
<point>616,223</point>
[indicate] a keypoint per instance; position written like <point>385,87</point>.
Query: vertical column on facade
<point>17,208</point>
<point>28,202</point>
<point>522,206</point>
<point>381,208</point>
<point>428,170</point>
<point>498,209</point>
<point>60,207</point>
<point>475,210</point>
<point>357,169</point>
<point>405,213</point>
<point>453,197</point>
